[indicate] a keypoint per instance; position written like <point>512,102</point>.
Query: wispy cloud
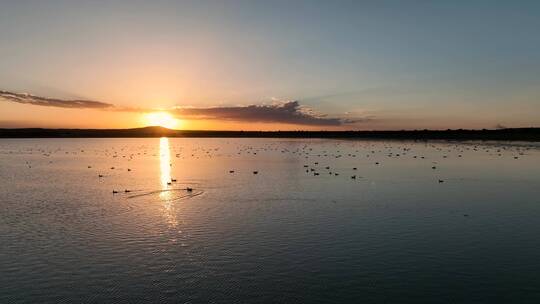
<point>286,112</point>
<point>25,98</point>
<point>290,112</point>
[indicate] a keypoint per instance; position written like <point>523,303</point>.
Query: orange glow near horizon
<point>161,119</point>
<point>18,115</point>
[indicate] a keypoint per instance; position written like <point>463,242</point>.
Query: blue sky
<point>403,64</point>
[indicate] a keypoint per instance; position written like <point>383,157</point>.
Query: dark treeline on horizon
<point>525,134</point>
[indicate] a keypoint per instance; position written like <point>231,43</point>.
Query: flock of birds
<point>316,154</point>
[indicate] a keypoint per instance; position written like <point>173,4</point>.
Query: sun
<point>161,119</point>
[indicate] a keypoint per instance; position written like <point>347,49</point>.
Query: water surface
<point>415,222</point>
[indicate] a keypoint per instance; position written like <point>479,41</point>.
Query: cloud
<point>25,98</point>
<point>290,112</point>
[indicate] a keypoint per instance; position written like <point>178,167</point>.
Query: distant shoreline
<point>513,134</point>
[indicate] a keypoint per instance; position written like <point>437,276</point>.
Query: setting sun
<point>162,119</point>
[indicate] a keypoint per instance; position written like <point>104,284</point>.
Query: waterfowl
<point>114,191</point>
<point>188,189</point>
<point>255,172</point>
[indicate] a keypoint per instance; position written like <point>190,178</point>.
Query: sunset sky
<point>268,65</point>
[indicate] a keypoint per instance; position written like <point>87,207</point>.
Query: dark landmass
<point>515,134</point>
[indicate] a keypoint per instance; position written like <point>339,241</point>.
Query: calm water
<point>467,231</point>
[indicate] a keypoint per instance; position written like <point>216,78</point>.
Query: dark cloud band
<point>53,102</point>
<point>288,112</point>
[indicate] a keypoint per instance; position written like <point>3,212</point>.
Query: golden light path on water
<point>164,163</point>
<point>165,179</point>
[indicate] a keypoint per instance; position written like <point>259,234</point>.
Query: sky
<point>270,65</point>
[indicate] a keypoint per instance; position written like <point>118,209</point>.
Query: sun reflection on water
<point>164,163</point>
<point>165,179</point>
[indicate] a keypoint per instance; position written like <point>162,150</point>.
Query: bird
<point>441,181</point>
<point>255,172</point>
<point>188,189</point>
<point>353,177</point>
<point>231,171</point>
<point>114,191</point>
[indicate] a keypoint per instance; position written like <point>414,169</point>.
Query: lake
<point>187,220</point>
